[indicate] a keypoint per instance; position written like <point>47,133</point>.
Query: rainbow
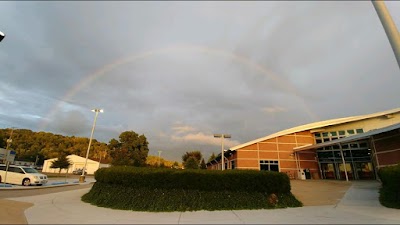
<point>88,79</point>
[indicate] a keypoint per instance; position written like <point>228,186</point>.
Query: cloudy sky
<point>180,71</point>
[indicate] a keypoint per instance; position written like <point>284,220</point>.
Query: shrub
<point>206,180</point>
<point>389,194</point>
<point>156,189</point>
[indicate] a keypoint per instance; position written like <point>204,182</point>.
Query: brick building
<point>345,148</point>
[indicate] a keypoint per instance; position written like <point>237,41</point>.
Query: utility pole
<point>7,162</point>
<point>9,140</point>
<point>159,158</point>
<point>37,158</point>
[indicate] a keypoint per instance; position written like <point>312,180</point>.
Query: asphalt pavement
<point>52,182</point>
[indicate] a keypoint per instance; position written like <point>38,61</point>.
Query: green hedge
<point>206,180</point>
<point>153,189</point>
<point>390,191</point>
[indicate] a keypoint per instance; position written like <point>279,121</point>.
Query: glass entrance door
<point>364,170</point>
<point>349,171</point>
<point>328,171</point>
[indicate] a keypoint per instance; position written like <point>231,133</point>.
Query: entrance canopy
<point>349,139</point>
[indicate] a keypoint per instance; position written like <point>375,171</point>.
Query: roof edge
<point>319,124</point>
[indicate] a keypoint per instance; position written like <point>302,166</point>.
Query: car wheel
<point>0,179</point>
<point>39,184</point>
<point>26,182</point>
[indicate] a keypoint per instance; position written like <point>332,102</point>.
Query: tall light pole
<point>159,158</point>
<point>82,177</point>
<point>390,27</point>
<point>222,136</point>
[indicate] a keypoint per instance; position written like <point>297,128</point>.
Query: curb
<point>7,188</point>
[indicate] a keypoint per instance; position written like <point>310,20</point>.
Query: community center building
<point>345,148</point>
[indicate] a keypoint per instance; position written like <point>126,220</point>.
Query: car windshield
<point>30,170</point>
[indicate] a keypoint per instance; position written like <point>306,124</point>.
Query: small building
<point>351,148</point>
<point>77,162</point>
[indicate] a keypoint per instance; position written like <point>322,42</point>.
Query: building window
<point>269,165</point>
<point>363,145</point>
<point>325,155</point>
<point>353,145</point>
<point>333,133</point>
<point>350,132</point>
<point>233,164</point>
<point>360,131</point>
<point>347,154</point>
<point>363,154</point>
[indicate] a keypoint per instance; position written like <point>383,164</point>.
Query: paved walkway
<point>319,192</point>
<point>358,206</point>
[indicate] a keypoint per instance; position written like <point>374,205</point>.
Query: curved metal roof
<point>317,125</point>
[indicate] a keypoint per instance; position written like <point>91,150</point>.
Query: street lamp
<point>2,35</point>
<point>82,177</point>
<point>159,158</point>
<point>222,136</point>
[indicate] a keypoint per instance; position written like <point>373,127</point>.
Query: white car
<point>21,175</point>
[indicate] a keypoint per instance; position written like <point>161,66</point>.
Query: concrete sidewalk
<point>360,205</point>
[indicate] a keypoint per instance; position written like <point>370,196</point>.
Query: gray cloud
<point>244,68</point>
<point>72,123</point>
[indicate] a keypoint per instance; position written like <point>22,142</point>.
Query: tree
<point>152,161</point>
<point>191,163</point>
<point>212,157</point>
<point>189,157</point>
<point>120,157</point>
<point>61,163</point>
<point>3,142</point>
<point>203,164</point>
<point>29,145</point>
<point>131,149</point>
<point>195,154</point>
